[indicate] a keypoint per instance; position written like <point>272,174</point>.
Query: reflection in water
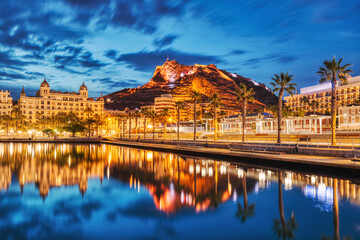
<point>174,182</point>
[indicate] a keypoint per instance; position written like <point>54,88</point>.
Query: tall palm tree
<point>333,71</point>
<point>282,83</point>
<point>178,105</point>
<point>136,115</point>
<point>195,97</point>
<point>144,114</point>
<point>283,229</point>
<point>88,111</point>
<point>313,105</point>
<point>153,116</point>
<point>215,102</point>
<point>247,211</point>
<point>121,118</point>
<point>130,116</point>
<point>18,117</point>
<point>165,113</point>
<point>244,95</point>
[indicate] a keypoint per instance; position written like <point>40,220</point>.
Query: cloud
<point>111,83</point>
<point>111,54</point>
<point>147,60</point>
<point>271,57</point>
<point>165,41</point>
<point>237,52</point>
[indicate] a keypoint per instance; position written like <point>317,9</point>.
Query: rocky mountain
<point>179,80</point>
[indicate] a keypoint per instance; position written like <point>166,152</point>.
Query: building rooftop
<point>325,86</point>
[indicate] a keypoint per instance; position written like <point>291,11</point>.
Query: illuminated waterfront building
<point>164,101</point>
<point>5,103</point>
<point>49,103</point>
<point>321,93</point>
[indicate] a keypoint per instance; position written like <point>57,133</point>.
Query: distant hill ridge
<point>179,80</point>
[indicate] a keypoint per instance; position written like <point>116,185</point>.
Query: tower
<point>44,88</point>
<point>22,94</point>
<point>83,90</point>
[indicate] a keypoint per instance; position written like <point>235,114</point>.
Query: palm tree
<point>179,105</point>
<point>314,104</point>
<point>165,113</point>
<point>153,116</point>
<point>144,114</point>
<point>247,211</point>
<point>304,101</point>
<point>136,116</point>
<point>244,95</point>
<point>6,119</point>
<point>282,83</point>
<point>120,118</point>
<point>215,102</point>
<point>88,111</point>
<point>281,228</point>
<point>130,115</point>
<point>334,72</point>
<point>18,117</point>
<point>195,97</point>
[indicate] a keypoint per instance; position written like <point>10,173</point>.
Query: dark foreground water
<point>63,191</point>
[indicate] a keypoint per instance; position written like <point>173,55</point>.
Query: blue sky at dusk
<point>114,44</point>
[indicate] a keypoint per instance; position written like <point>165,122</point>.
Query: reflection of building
<point>5,102</point>
<point>49,103</point>
<point>174,182</point>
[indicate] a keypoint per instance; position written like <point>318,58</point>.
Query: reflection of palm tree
<point>283,229</point>
<point>247,211</point>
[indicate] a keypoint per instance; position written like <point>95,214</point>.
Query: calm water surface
<point>63,191</point>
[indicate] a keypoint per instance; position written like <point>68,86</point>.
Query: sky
<point>116,44</point>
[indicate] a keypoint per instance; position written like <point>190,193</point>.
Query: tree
<point>136,115</point>
<point>18,117</point>
<point>6,119</point>
<point>178,105</point>
<point>282,83</point>
<point>334,72</point>
<point>73,124</point>
<point>153,116</point>
<point>313,105</point>
<point>244,95</point>
<point>164,115</point>
<point>283,229</point>
<point>99,122</point>
<point>120,118</point>
<point>144,114</point>
<point>287,112</point>
<point>247,211</point>
<point>130,116</point>
<point>215,102</point>
<point>88,111</point>
<point>195,97</point>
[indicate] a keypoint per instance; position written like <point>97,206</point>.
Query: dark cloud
<point>238,52</point>
<point>147,60</point>
<point>87,3</point>
<point>165,41</point>
<point>111,54</point>
<point>272,57</point>
<point>145,15</point>
<point>111,83</point>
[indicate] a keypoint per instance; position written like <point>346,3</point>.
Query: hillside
<point>179,80</point>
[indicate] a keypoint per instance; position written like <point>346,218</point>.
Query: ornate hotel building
<point>49,103</point>
<point>5,103</point>
<point>346,95</point>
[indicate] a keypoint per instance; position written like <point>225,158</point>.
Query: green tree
<point>244,95</point>
<point>73,124</point>
<point>154,117</point>
<point>215,102</point>
<point>17,117</point>
<point>334,72</point>
<point>164,115</point>
<point>88,111</point>
<point>282,83</point>
<point>144,114</point>
<point>99,122</point>
<point>287,112</point>
<point>136,115</point>
<point>6,120</point>
<point>121,122</point>
<point>178,105</point>
<point>195,97</point>
<point>313,105</point>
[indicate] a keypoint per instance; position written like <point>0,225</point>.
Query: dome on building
<point>44,83</point>
<point>83,87</point>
